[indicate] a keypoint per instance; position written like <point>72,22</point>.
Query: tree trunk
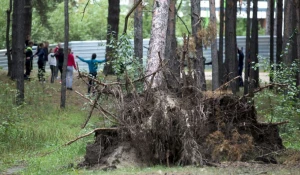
<point>247,55</point>
<point>214,49</point>
<point>27,18</point>
<point>157,41</point>
<point>298,42</point>
<point>289,38</point>
<point>112,31</point>
<point>18,47</point>
<point>221,35</point>
<point>171,47</point>
<point>66,46</point>
<point>268,16</point>
<point>138,32</point>
<point>279,31</point>
<point>230,43</point>
<point>271,28</point>
<point>8,52</point>
<point>199,60</point>
<point>254,83</point>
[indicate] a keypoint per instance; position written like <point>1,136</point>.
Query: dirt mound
<point>182,128</point>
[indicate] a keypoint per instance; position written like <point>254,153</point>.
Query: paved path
<point>264,76</point>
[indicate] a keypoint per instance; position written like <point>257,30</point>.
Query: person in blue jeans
<point>93,66</point>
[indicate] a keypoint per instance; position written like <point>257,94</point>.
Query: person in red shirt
<point>71,64</point>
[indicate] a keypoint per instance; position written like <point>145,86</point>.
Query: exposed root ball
<point>168,128</point>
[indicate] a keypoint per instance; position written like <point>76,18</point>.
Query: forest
<point>161,113</point>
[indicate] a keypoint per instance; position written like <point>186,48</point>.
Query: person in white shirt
<point>52,63</point>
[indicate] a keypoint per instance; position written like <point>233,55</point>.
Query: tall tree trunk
<point>298,42</point>
<point>8,52</point>
<point>112,31</point>
<point>171,46</point>
<point>247,55</point>
<point>289,39</point>
<point>27,18</point>
<point>199,60</point>
<point>214,48</point>
<point>279,31</point>
<point>18,47</point>
<point>66,46</point>
<point>221,35</point>
<point>268,16</point>
<point>230,43</point>
<point>157,41</point>
<point>138,32</point>
<point>271,28</point>
<point>254,83</point>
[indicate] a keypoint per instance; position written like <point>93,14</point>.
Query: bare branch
<point>128,14</point>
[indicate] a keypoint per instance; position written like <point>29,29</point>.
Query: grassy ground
<point>32,135</point>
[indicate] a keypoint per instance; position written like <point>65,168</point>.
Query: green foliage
<point>4,5</point>
<point>282,104</point>
<point>125,63</point>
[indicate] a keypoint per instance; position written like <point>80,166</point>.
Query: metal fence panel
<point>86,48</point>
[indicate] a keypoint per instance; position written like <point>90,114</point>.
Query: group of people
<point>55,59</point>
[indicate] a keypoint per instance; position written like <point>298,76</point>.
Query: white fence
<point>86,48</point>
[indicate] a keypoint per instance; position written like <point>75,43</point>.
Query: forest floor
<point>31,142</point>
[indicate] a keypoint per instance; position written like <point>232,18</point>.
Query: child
<point>41,68</point>
<point>93,66</point>
<point>52,63</point>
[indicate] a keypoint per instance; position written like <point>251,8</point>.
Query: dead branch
<point>226,84</point>
<point>128,14</point>
<point>183,24</point>
<point>265,87</point>
<point>87,3</point>
<point>87,134</point>
<point>91,111</point>
<point>276,123</point>
<point>91,103</point>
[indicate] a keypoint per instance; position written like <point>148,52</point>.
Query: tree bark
<point>18,47</point>
<point>157,41</point>
<point>66,46</point>
<point>112,31</point>
<point>279,31</point>
<point>271,28</point>
<point>298,42</point>
<point>254,83</point>
<point>8,52</point>
<point>171,47</point>
<point>289,39</point>
<point>214,49</point>
<point>221,35</point>
<point>27,18</point>
<point>230,43</point>
<point>138,32</point>
<point>247,55</point>
<point>199,60</point>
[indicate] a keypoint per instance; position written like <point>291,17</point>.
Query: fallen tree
<point>175,126</point>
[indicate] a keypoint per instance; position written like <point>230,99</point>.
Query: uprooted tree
<point>174,124</point>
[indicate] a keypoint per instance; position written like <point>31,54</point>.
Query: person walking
<point>52,64</point>
<point>240,65</point>
<point>60,60</point>
<point>70,65</point>
<point>93,66</point>
<point>41,65</point>
<point>56,51</point>
<point>28,61</point>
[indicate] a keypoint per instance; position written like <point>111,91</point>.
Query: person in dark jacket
<point>28,60</point>
<point>240,65</point>
<point>41,64</point>
<point>93,66</point>
<point>46,51</point>
<point>60,60</point>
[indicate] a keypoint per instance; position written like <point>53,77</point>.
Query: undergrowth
<point>32,135</point>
